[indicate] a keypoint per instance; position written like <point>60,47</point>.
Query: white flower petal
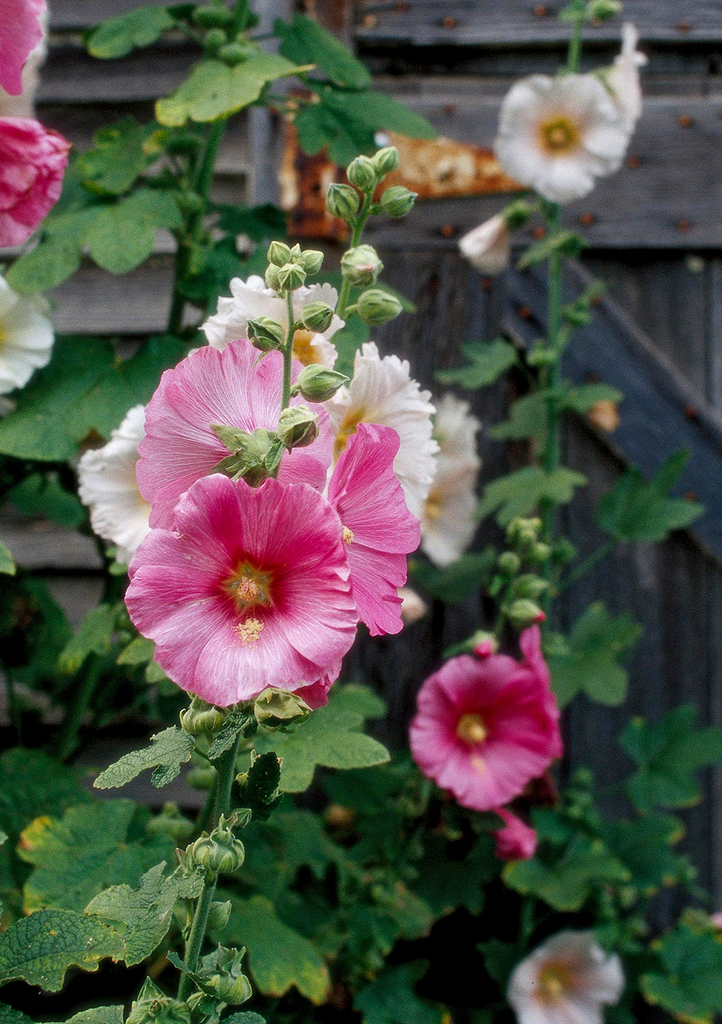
<point>488,247</point>
<point>26,337</point>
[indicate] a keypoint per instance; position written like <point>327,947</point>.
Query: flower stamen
<point>347,535</point>
<point>249,630</point>
<point>249,587</point>
<point>349,426</point>
<point>559,136</point>
<point>471,729</point>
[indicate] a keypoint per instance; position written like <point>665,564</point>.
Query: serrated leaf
<point>9,1015</point>
<point>93,636</point>
<point>566,243</point>
<point>214,90</point>
<point>52,261</point>
<point>122,235</point>
<point>392,999</point>
<point>279,958</point>
<point>637,510</point>
<point>39,949</point>
<point>447,883</point>
<point>330,737</point>
<point>7,562</point>
<point>582,398</point>
<point>488,360</point>
<point>455,582</point>
<point>519,493</point>
<point>645,847</point>
<point>118,36</point>
<point>307,42</point>
<point>92,847</point>
<point>117,157</point>
<point>668,755</point>
<point>691,987</point>
<point>143,915</point>
<point>590,663</point>
<point>527,418</point>
<point>97,1015</point>
<point>168,750</point>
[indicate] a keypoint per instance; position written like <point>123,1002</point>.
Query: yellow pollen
<point>349,425</point>
<point>249,631</point>
<point>248,587</point>
<point>433,509</point>
<point>559,135</point>
<point>303,347</point>
<point>554,980</point>
<point>347,535</point>
<point>471,729</point>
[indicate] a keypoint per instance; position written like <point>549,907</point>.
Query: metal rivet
<point>449,109</point>
<point>587,219</point>
<point>683,26</point>
<point>634,162</point>
<point>541,10</point>
<point>402,7</point>
<point>370,21</point>
<point>683,225</point>
<point>685,121</point>
<point>691,496</point>
<point>447,230</point>
<point>449,22</point>
<point>525,312</point>
<point>539,231</point>
<point>691,412</point>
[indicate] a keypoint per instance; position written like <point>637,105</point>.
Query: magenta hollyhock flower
<point>32,163</point>
<point>516,840</point>
<point>484,729</point>
<point>378,529</point>
<point>20,32</point>
<point>248,590</point>
<point>231,388</point>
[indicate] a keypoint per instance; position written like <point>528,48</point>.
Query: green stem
<point>358,229</point>
<point>551,377</point>
<point>67,740</point>
<point>584,567</point>
<point>574,53</point>
<point>221,798</point>
<point>287,353</point>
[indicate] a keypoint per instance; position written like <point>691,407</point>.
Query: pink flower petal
<point>20,32</point>
<point>32,164</point>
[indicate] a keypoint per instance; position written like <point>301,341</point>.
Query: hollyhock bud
<point>218,852</point>
<point>215,38</point>
<point>362,173</point>
<point>312,260</point>
<point>385,160</point>
<point>530,586</point>
<point>397,201</point>
<point>603,10</point>
<point>509,563</point>
<point>291,276</point>
<point>516,840</point>
<point>523,613</point>
<point>317,383</point>
<point>342,201</point>
<point>317,316</point>
<point>278,253</point>
<point>297,426</point>
<point>233,54</point>
<point>413,607</point>
<point>153,1005</point>
<point>376,307</point>
<point>201,718</point>
<point>229,983</point>
<point>361,265</point>
<point>219,915</point>
<point>484,644</point>
<point>266,334</point>
<point>272,278</point>
<point>516,214</point>
<point>33,161</point>
<point>201,777</point>
<point>539,552</point>
<point>277,708</point>
<point>211,16</point>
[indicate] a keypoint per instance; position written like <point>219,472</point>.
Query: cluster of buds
<point>225,35</point>
<point>153,1006</point>
<point>591,10</point>
<point>289,266</point>
<point>521,591</point>
<point>201,718</point>
<point>217,852</point>
<point>221,982</point>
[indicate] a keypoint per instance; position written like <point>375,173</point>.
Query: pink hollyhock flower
<point>378,529</point>
<point>32,163</point>
<point>231,388</point>
<point>20,32</point>
<point>484,729</point>
<point>248,590</point>
<point>517,840</point>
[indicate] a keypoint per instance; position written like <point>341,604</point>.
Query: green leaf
<point>139,651</point>
<point>93,636</point>
<point>457,581</point>
<point>7,563</point>
<point>691,986</point>
<point>122,235</point>
<point>118,36</point>
<point>9,1015</point>
<point>527,418</point>
<point>348,342</point>
<point>97,1015</point>
<point>279,958</point>
<point>500,959</point>
<point>519,493</point>
<point>645,847</point>
<point>668,756</point>
<point>42,494</point>
<point>84,388</point>
<point>214,90</point>
<point>331,737</point>
<point>52,261</point>
<point>488,360</point>
<point>566,243</point>
<point>392,999</point>
<point>144,914</point>
<point>447,881</point>
<point>306,42</point>
<point>117,157</point>
<point>39,949</point>
<point>590,663</point>
<point>168,750</point>
<point>92,847</point>
<point>258,222</point>
<point>637,510</point>
<point>582,398</point>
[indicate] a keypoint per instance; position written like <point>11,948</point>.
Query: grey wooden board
<point>513,22</point>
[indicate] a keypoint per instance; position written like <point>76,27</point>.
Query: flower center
<point>303,347</point>
<point>249,586</point>
<point>471,729</point>
<point>554,980</point>
<point>347,535</point>
<point>433,508</point>
<point>559,135</point>
<point>349,426</point>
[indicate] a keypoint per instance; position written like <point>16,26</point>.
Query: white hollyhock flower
<point>448,522</point>
<point>382,391</point>
<point>252,299</point>
<point>413,606</point>
<point>623,77</point>
<point>26,337</point>
<point>107,485</point>
<point>559,134</point>
<point>567,980</point>
<point>488,247</point>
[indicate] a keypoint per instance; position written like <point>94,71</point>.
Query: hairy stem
<point>575,44</point>
<point>551,377</point>
<point>287,353</point>
<point>358,229</point>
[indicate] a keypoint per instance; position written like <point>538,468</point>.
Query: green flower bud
<point>541,355</point>
<point>218,852</point>
<point>211,16</point>
<point>563,551</point>
<point>229,990</point>
<point>266,334</point>
<point>219,915</point>
<point>172,824</point>
<point>483,644</point>
<point>385,160</point>
<point>272,278</point>
<point>278,253</point>
<point>297,427</point>
<point>190,202</point>
<point>516,214</point>
<point>603,10</point>
<point>291,276</point>
<point>312,260</point>
<point>200,718</point>
<point>342,201</point>
<point>233,54</point>
<point>276,708</point>
<point>523,531</point>
<point>214,40</point>
<point>397,201</point>
<point>376,307</point>
<point>529,585</point>
<point>523,613</point>
<point>539,553</point>
<point>154,1007</point>
<point>361,172</point>
<point>318,383</point>
<point>317,316</point>
<point>509,563</point>
<point>361,265</point>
